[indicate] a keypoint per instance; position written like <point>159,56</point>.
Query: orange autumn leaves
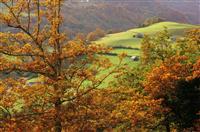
<point>110,109</point>
<point>166,76</point>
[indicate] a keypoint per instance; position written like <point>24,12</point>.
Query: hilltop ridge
<point>122,15</point>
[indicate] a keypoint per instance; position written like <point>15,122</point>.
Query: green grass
<point>129,52</point>
<point>126,39</point>
<point>115,61</point>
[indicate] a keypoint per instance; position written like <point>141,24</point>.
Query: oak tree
<point>64,70</point>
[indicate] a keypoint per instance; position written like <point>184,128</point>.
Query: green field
<point>126,39</point>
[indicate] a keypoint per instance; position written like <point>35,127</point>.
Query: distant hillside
<point>118,15</point>
<point>124,14</point>
<point>189,8</point>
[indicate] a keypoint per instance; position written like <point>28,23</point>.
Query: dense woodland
<point>162,93</point>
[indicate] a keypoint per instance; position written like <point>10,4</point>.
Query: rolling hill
<point>125,42</point>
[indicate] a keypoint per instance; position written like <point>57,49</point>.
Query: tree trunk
<point>58,125</point>
<point>167,127</point>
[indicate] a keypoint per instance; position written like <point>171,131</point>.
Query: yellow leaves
<point>27,48</point>
<point>102,62</point>
<point>137,109</point>
<point>94,48</point>
<point>77,48</point>
<point>4,37</point>
<point>4,1</point>
<point>190,45</point>
<point>2,89</point>
<point>73,49</point>
<point>194,35</point>
<point>52,41</point>
<point>195,71</point>
<point>21,36</point>
<point>122,56</point>
<point>6,18</point>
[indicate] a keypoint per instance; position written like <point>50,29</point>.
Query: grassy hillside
<point>124,42</point>
<point>126,39</point>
